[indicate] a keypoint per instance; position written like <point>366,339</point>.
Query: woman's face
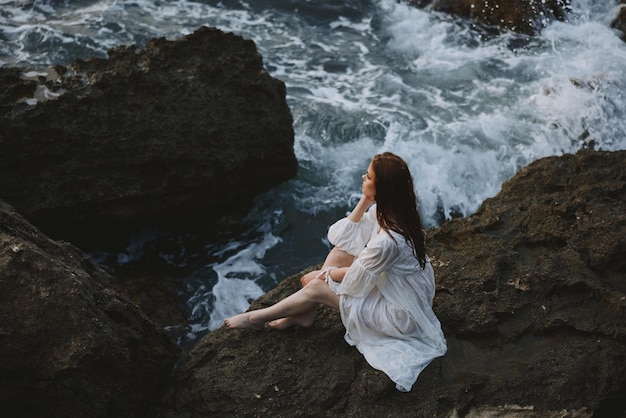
<point>369,182</point>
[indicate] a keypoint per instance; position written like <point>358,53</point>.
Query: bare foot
<point>242,321</point>
<point>304,320</point>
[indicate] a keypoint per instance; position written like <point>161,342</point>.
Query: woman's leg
<point>335,258</point>
<point>296,309</point>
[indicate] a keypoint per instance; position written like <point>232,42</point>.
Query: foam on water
<point>236,285</point>
<point>530,103</point>
<point>466,109</point>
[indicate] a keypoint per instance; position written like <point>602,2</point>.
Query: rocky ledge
<point>531,293</point>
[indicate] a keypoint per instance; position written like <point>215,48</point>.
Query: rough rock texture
<point>531,292</point>
<point>533,287</point>
<point>523,16</point>
<point>70,345</point>
<point>180,128</point>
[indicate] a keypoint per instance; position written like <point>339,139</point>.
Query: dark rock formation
<point>533,288</point>
<point>70,345</point>
<point>532,297</point>
<point>178,129</point>
<point>523,16</point>
<point>619,22</point>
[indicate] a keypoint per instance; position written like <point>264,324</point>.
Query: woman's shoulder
<point>392,235</point>
<point>388,238</point>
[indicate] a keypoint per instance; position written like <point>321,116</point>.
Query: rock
<point>178,130</point>
<point>522,16</point>
<point>532,288</point>
<point>70,345</point>
<point>619,22</point>
<point>531,293</point>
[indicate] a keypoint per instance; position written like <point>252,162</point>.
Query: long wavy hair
<point>396,202</point>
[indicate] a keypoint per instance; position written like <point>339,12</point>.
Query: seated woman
<point>377,275</point>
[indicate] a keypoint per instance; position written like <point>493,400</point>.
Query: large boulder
<point>522,16</point>
<point>70,345</point>
<point>531,292</point>
<point>166,133</point>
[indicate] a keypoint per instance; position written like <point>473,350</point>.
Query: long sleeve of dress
<point>379,256</point>
<point>352,237</point>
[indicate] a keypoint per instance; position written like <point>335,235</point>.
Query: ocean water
<point>465,108</point>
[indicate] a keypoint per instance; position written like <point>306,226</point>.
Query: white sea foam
<point>236,284</point>
<point>566,96</point>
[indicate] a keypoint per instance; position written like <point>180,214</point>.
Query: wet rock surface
<point>522,16</point>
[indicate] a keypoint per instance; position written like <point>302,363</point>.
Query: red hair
<point>396,202</point>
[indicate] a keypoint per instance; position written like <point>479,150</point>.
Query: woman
<point>378,276</point>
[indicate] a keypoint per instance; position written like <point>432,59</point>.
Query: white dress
<point>386,300</point>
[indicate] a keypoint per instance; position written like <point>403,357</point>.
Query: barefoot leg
<point>243,321</point>
<point>303,302</point>
<point>305,320</point>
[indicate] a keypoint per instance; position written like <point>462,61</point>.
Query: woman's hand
<point>369,200</point>
<point>361,207</point>
<point>334,273</point>
<point>310,276</point>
